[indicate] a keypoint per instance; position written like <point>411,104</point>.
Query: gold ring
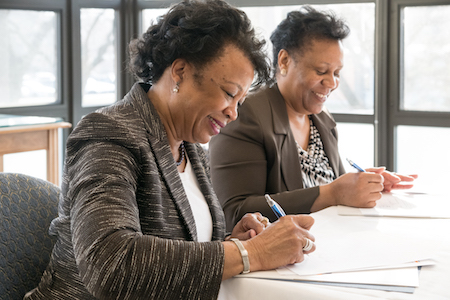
<point>265,221</point>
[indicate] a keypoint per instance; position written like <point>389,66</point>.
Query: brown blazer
<point>257,154</point>
<point>125,227</point>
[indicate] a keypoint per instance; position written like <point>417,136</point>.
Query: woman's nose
<point>331,82</point>
<point>231,112</point>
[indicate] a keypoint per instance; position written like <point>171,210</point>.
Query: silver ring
<point>308,246</point>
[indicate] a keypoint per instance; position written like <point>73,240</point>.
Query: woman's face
<point>311,76</point>
<point>208,98</point>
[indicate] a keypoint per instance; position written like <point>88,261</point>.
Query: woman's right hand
<point>280,243</point>
<point>361,189</point>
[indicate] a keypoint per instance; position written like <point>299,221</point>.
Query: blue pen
<point>276,208</point>
<point>355,166</point>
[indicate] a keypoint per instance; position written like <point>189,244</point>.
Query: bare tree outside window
<point>28,58</point>
<point>426,44</point>
<point>98,56</point>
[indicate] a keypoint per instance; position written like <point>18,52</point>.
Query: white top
<point>199,206</point>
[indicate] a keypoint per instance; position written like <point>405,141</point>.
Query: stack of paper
<point>360,259</point>
<point>399,280</point>
<point>367,252</point>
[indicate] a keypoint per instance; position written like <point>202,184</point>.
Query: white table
<point>434,280</point>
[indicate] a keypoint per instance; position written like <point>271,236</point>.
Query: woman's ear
<point>178,69</point>
<point>283,61</point>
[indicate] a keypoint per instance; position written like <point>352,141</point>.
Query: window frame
<point>61,107</point>
<point>387,77</point>
<point>78,110</point>
<point>397,116</point>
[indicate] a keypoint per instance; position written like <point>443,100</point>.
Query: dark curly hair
<point>304,25</point>
<point>197,31</point>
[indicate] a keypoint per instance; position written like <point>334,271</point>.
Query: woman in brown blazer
<point>284,142</point>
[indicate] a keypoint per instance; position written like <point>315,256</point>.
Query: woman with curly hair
<point>138,218</point>
<point>285,139</point>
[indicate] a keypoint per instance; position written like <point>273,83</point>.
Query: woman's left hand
<point>394,180</point>
<point>249,226</point>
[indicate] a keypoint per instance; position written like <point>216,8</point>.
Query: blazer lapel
<point>169,173</point>
<point>161,150</point>
<point>289,161</point>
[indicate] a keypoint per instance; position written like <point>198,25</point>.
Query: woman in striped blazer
<point>138,218</point>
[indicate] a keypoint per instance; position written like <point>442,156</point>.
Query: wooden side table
<point>26,133</point>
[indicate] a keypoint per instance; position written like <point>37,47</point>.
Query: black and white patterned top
<point>316,169</point>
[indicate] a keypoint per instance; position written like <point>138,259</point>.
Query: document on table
<point>402,276</point>
<point>360,258</point>
<point>401,279</point>
<point>363,250</point>
<point>404,204</point>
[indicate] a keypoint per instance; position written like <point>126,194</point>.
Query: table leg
<point>52,157</point>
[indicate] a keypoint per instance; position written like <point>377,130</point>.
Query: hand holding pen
<point>279,212</point>
<point>391,180</point>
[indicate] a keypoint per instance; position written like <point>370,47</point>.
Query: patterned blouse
<point>316,169</point>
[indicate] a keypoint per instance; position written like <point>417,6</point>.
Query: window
<point>67,58</point>
<point>426,57</point>
<point>419,104</point>
<point>356,142</point>
<point>98,56</point>
<point>31,71</point>
<point>28,47</point>
<point>423,150</point>
<point>150,15</point>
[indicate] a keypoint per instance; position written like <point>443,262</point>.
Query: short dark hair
<point>304,25</point>
<point>197,31</point>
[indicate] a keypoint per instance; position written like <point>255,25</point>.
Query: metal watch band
<point>244,255</point>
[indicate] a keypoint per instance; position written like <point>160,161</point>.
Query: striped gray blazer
<point>125,228</point>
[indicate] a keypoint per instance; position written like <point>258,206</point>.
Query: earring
<point>283,72</point>
<point>176,88</point>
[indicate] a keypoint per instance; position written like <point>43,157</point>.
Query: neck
<point>300,128</point>
<point>162,102</point>
<point>296,117</point>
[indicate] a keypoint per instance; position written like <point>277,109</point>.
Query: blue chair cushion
<point>27,207</point>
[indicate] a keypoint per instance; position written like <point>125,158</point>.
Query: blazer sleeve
<point>115,259</point>
<point>245,164</point>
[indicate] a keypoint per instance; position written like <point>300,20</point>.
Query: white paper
<point>362,250</point>
<point>404,204</point>
<point>398,277</point>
